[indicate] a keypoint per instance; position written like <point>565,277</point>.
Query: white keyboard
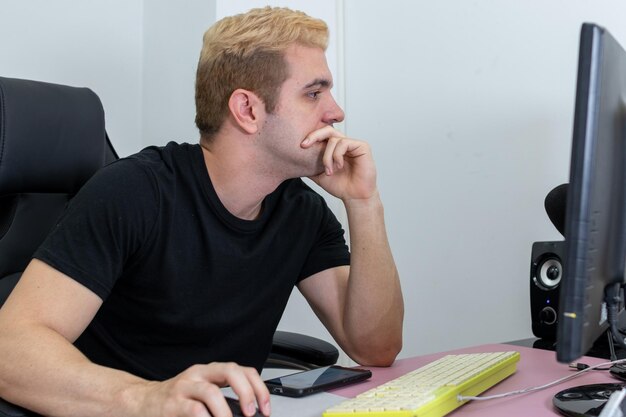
<point>432,390</point>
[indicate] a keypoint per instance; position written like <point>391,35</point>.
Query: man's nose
<point>334,114</point>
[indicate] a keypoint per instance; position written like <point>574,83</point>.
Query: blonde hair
<point>247,51</point>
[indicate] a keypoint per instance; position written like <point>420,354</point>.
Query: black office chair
<point>52,140</point>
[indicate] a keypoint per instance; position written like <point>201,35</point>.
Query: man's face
<point>305,104</point>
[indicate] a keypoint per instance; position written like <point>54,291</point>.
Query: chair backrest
<point>52,140</point>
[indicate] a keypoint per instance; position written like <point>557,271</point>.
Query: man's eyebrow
<point>321,82</point>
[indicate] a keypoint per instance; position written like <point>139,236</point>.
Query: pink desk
<point>536,367</point>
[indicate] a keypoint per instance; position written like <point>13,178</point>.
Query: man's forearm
<point>374,308</point>
<point>42,371</point>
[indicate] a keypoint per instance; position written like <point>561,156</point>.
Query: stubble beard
<point>286,155</point>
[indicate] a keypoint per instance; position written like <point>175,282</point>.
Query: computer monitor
<point>595,220</point>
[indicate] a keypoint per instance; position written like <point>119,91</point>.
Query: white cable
<point>539,388</point>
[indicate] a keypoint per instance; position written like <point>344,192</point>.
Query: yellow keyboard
<point>431,391</point>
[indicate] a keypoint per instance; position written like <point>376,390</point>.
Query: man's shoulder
<point>170,154</point>
<point>157,161</point>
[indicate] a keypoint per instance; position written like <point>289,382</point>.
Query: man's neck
<point>239,185</point>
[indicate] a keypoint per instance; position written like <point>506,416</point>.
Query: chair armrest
<point>298,351</point>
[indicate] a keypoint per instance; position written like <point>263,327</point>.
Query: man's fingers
<point>261,392</point>
<point>321,135</point>
<point>250,390</point>
<point>194,398</point>
<point>340,150</point>
<point>209,397</point>
<point>245,382</point>
<point>329,155</point>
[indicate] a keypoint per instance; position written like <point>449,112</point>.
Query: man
<point>168,274</point>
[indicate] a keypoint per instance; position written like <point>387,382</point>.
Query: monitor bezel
<point>595,217</point>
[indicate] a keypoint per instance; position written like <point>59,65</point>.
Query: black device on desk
<point>591,295</point>
<point>305,383</point>
<point>595,221</point>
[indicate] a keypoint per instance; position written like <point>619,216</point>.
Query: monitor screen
<point>595,218</point>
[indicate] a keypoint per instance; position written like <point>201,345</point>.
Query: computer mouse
<point>235,408</point>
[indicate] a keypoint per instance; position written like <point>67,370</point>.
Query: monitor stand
<point>589,400</point>
<point>600,348</point>
<point>585,400</point>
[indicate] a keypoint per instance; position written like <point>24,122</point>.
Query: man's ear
<point>247,110</point>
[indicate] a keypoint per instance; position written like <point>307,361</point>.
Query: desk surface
<point>536,367</point>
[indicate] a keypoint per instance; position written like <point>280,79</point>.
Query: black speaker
<point>546,271</point>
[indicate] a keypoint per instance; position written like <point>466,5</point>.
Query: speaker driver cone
<point>550,273</point>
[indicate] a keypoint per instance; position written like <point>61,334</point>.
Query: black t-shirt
<point>182,279</point>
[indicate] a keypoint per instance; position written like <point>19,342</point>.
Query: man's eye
<point>314,94</point>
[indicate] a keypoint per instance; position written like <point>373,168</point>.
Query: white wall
<point>468,106</point>
<point>95,44</point>
<point>172,34</point>
<point>138,56</point>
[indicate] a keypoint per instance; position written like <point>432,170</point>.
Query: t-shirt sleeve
<point>330,249</point>
<point>103,226</point>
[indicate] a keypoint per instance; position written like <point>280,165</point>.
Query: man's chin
<point>312,165</point>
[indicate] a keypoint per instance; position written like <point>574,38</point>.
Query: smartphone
<point>316,380</point>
